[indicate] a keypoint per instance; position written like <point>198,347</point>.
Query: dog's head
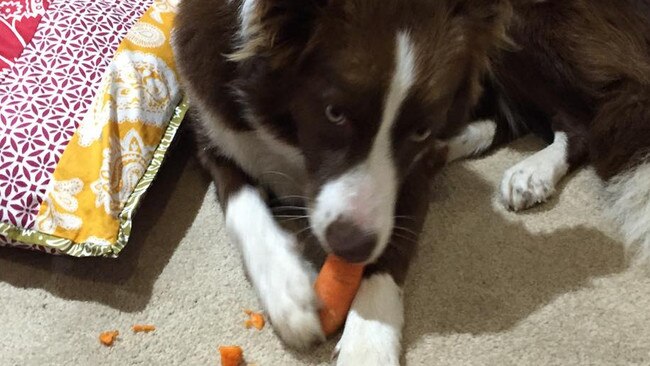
<point>367,89</point>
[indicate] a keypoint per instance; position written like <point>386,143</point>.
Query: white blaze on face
<point>366,194</point>
<point>246,15</point>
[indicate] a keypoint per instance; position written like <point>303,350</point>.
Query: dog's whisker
<point>288,219</point>
<point>407,230</point>
<point>404,217</point>
<point>308,228</point>
<point>284,175</point>
<point>289,207</point>
<point>293,218</point>
<point>405,238</point>
<point>278,199</point>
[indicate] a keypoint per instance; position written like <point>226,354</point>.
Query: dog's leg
<point>373,330</point>
<point>480,136</point>
<point>281,278</point>
<point>534,179</point>
<point>620,151</point>
<point>476,138</point>
<point>490,127</point>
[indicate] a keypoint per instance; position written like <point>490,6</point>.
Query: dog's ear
<point>485,23</point>
<point>488,18</point>
<point>276,29</point>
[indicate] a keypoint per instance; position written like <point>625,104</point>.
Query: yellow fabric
<point>114,144</point>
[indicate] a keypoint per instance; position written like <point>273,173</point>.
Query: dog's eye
<point>421,134</point>
<point>335,115</point>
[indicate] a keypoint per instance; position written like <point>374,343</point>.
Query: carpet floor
<point>550,286</point>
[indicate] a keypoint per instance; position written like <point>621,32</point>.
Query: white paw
<point>525,185</point>
<point>360,354</point>
<point>292,307</point>
<point>372,332</point>
<point>287,292</point>
<point>281,278</point>
<point>476,138</point>
<point>528,183</point>
<point>533,180</point>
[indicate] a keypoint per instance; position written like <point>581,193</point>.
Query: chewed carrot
<point>255,320</point>
<point>107,338</point>
<point>231,355</point>
<point>336,285</point>
<point>143,328</point>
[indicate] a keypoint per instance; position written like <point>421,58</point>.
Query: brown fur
<point>582,67</point>
<point>300,52</point>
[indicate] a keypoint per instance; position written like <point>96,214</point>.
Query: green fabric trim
<point>90,249</point>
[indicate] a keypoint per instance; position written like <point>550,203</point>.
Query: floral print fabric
<point>19,20</point>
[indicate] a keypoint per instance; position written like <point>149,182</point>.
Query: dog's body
<point>349,107</point>
<point>579,74</point>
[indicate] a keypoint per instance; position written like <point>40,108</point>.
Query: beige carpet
<point>546,287</point>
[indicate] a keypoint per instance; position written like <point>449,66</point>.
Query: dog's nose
<point>350,242</point>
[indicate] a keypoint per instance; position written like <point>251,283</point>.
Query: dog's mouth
<point>350,242</point>
<point>352,217</point>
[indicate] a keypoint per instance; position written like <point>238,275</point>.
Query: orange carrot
<point>107,338</point>
<point>256,320</point>
<point>231,355</point>
<point>143,328</point>
<point>336,286</point>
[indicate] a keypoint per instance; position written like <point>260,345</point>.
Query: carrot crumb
<point>256,320</point>
<point>143,328</point>
<point>107,338</point>
<point>231,355</point>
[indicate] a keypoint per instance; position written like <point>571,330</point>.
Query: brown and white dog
<point>349,106</point>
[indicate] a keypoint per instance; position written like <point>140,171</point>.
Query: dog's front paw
<point>291,303</point>
<point>525,185</point>
<point>276,269</point>
<point>533,180</point>
<point>476,138</point>
<point>373,329</point>
<point>363,352</point>
<point>295,319</point>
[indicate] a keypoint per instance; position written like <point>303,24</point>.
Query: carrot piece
<point>231,355</point>
<point>107,338</point>
<point>143,328</point>
<point>336,285</point>
<point>256,320</point>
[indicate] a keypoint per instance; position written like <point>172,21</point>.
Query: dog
<point>347,108</point>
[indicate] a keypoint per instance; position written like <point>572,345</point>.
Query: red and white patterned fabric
<point>18,22</point>
<point>48,89</point>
